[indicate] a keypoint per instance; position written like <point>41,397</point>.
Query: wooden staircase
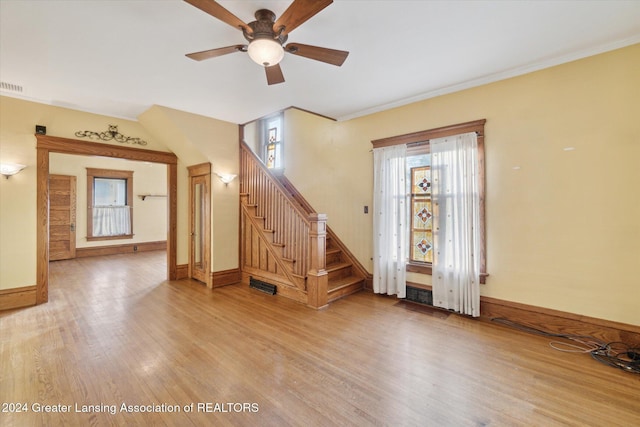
<point>343,280</point>
<point>346,276</point>
<point>286,243</point>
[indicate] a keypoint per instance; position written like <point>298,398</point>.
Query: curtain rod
<point>426,141</point>
<point>419,143</point>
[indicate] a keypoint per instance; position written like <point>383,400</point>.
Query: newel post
<point>317,277</point>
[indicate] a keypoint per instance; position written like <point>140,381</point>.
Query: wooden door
<point>62,217</point>
<point>200,223</point>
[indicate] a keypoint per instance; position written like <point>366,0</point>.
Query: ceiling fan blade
<point>297,13</point>
<point>214,9</point>
<point>330,56</point>
<point>212,53</point>
<point>274,74</point>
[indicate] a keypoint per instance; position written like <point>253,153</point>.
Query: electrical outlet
<point>135,248</point>
<point>366,209</point>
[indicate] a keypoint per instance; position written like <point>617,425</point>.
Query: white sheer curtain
<point>456,265</point>
<point>111,220</point>
<point>390,229</point>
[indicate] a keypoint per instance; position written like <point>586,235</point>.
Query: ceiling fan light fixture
<point>265,51</point>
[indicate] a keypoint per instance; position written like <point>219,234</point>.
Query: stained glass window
<point>421,181</point>
<point>273,141</point>
<point>421,215</point>
<point>271,156</point>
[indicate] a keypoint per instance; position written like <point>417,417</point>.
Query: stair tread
<point>337,266</point>
<point>345,281</point>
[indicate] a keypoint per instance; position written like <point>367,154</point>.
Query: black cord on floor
<point>619,355</point>
<point>615,354</point>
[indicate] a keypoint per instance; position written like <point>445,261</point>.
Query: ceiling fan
<point>267,36</point>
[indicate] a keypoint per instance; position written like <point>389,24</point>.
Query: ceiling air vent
<point>10,87</point>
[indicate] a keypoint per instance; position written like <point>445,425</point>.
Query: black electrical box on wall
<point>41,130</point>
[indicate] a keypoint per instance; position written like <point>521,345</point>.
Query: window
<point>420,240</point>
<point>272,141</point>
<point>109,192</point>
<point>110,200</point>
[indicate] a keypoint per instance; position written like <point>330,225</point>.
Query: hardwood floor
<point>115,332</point>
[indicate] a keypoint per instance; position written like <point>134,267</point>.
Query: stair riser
<point>331,258</point>
<point>344,291</point>
<point>339,274</point>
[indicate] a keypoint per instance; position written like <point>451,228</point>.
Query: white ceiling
<point>119,57</point>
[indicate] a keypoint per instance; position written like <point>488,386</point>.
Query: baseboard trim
<point>17,297</point>
<point>559,321</point>
<point>555,321</point>
<point>182,271</point>
<point>368,282</point>
<point>126,248</point>
<point>226,277</point>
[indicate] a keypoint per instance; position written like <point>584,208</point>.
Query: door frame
<point>51,144</point>
<point>201,171</point>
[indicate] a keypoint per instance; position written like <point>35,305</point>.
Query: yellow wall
<point>18,194</point>
<point>197,139</point>
<point>194,139</point>
<point>17,225</point>
<point>563,229</point>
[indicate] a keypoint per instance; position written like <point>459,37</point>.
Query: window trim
<point>423,137</point>
<point>107,173</point>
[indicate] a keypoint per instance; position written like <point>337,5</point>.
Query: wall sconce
<point>226,177</point>
<point>8,169</point>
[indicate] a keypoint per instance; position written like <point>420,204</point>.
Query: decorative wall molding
<point>112,134</point>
